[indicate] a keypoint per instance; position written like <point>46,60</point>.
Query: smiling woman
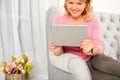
<point>78,12</point>
<point>78,8</point>
<point>86,61</point>
<point>75,8</point>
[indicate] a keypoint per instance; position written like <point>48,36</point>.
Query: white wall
<point>112,6</point>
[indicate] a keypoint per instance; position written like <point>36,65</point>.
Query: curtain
<point>23,31</point>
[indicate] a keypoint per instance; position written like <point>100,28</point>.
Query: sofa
<point>110,23</point>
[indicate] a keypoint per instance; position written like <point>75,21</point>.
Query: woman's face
<point>75,7</point>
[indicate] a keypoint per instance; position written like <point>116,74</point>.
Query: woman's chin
<point>75,16</point>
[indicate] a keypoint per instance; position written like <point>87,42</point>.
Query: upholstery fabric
<point>110,24</point>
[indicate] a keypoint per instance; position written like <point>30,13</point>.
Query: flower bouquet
<point>18,66</point>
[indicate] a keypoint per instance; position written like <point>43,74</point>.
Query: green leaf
<point>25,57</point>
<point>29,68</point>
<point>27,76</point>
<point>13,58</point>
<point>15,71</point>
<point>4,64</point>
<point>24,66</point>
<point>4,71</point>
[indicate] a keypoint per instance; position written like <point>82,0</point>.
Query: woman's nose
<point>74,6</point>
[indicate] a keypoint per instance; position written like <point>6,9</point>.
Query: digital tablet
<point>68,35</point>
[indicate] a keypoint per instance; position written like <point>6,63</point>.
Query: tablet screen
<point>68,35</point>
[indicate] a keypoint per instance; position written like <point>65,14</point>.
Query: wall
<point>112,6</point>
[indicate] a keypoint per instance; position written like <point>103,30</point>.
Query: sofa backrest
<point>110,25</point>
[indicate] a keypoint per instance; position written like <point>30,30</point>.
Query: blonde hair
<point>87,13</point>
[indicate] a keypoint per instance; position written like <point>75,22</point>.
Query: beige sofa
<point>110,24</point>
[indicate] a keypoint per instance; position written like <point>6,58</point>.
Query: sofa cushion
<point>110,24</point>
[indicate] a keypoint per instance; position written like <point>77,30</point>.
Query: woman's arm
<point>57,50</point>
<point>89,48</point>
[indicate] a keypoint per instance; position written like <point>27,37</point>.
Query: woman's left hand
<point>87,45</point>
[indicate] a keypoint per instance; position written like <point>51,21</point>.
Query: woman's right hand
<point>57,50</point>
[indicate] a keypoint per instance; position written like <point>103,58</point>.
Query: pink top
<point>94,33</point>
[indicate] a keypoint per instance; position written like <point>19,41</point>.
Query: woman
<point>87,59</point>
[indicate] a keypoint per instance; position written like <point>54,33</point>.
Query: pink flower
<point>13,64</point>
<point>17,60</point>
<point>29,62</point>
<point>20,67</point>
<point>9,69</point>
<point>23,71</point>
<point>22,60</point>
<point>17,66</point>
<point>9,63</point>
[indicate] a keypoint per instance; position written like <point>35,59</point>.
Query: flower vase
<point>15,77</point>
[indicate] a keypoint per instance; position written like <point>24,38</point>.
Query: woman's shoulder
<point>93,20</point>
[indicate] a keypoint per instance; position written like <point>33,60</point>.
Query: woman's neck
<point>79,20</point>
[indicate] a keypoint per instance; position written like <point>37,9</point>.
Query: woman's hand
<point>57,50</point>
<point>89,48</point>
<point>87,45</point>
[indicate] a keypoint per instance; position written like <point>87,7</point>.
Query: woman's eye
<point>70,2</point>
<point>79,3</point>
